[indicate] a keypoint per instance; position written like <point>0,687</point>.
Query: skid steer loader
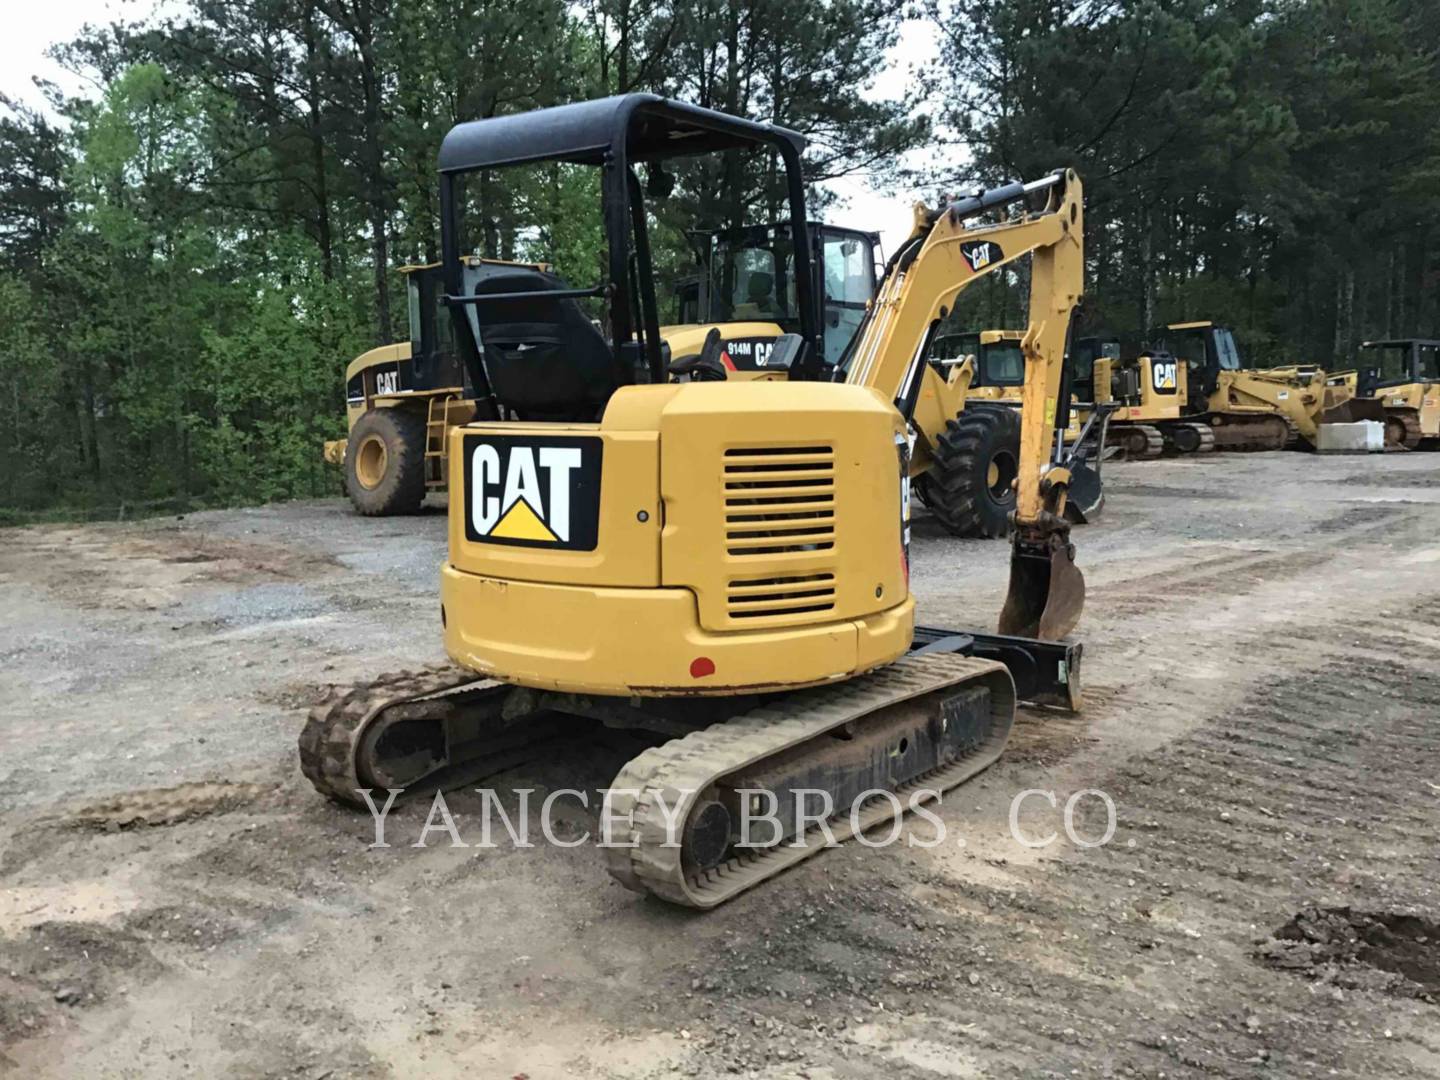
<point>724,563</point>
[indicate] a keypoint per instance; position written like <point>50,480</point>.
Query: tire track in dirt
<point>1124,961</point>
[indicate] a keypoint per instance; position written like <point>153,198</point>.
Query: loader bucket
<point>1353,410</point>
<point>1047,589</point>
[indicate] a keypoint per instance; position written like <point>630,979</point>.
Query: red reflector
<point>701,666</point>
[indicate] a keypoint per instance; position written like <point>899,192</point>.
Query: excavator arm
<point>943,256</point>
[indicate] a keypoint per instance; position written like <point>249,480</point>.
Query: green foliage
<point>1272,164</point>
<point>189,260</point>
<point>272,382</point>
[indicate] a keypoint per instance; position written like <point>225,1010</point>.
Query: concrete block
<point>1361,437</point>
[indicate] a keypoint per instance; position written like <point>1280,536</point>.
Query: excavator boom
<point>944,256</point>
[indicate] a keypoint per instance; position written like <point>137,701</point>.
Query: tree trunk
<point>622,49</point>
<point>324,238</point>
<point>1147,273</point>
<point>1344,311</point>
<point>732,196</point>
<point>358,21</point>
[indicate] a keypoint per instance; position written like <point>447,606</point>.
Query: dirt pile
<point>1367,950</point>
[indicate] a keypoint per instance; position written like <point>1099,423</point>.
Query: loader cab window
<point>949,347</point>
<point>412,293</point>
<point>1394,363</point>
<point>1428,363</point>
<point>434,360</point>
<point>752,276</point>
<point>1002,363</point>
<point>847,261</point>
<point>1186,345</point>
<point>1225,351</point>
<point>751,273</point>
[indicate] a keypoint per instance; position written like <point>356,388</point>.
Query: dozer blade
<point>1047,590</point>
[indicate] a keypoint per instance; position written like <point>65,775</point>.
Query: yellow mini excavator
<point>720,561</point>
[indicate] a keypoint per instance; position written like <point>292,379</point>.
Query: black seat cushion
<point>545,358</point>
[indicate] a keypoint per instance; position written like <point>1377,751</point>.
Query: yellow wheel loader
<point>402,399</point>
<point>1405,382</point>
<point>746,290</point>
<point>981,448</point>
<point>722,563</point>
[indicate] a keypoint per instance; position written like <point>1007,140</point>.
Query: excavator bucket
<point>1085,497</point>
<point>1047,589</point>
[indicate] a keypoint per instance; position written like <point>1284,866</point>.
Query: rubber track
<point>1252,434</point>
<point>1411,419</point>
<point>333,730</point>
<point>692,763</point>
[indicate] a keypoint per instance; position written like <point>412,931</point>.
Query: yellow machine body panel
<point>730,537</point>
<point>364,363</point>
<point>1261,391</point>
<point>1162,389</point>
<point>686,339</point>
<point>1422,397</point>
<point>941,398</point>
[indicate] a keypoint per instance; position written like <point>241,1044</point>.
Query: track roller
<point>1402,429</point>
<point>1189,438</point>
<point>1137,440</point>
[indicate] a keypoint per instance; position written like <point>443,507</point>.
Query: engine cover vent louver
<point>779,500</point>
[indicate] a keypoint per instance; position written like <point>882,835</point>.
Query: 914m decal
<point>533,491</point>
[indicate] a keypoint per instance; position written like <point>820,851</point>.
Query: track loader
<point>720,562</point>
<point>1405,383</point>
<point>1187,392</point>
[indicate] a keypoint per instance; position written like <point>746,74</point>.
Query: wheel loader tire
<point>977,457</point>
<point>385,463</point>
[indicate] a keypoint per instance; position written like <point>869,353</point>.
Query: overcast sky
<point>30,28</point>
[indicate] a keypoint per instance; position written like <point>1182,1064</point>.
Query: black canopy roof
<point>584,131</point>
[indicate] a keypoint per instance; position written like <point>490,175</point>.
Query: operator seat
<point>759,297</point>
<point>544,357</point>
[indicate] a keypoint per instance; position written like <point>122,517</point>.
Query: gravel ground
<point>1261,694</point>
